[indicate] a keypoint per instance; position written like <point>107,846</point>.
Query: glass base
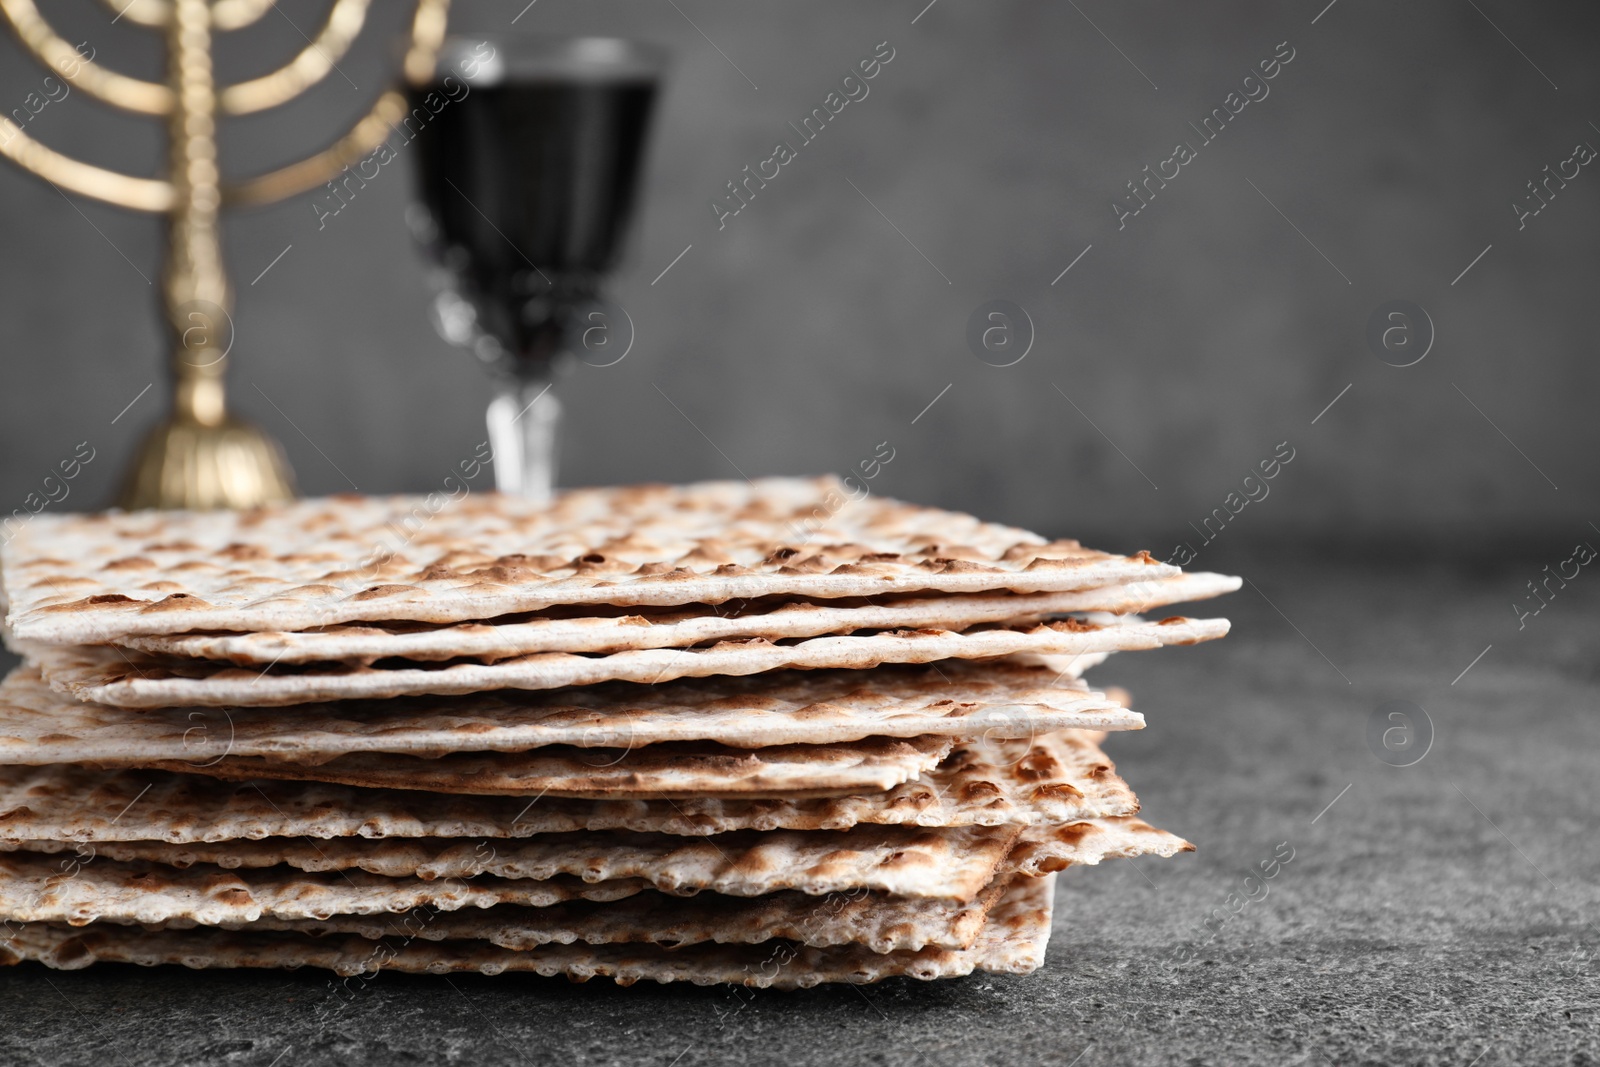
<point>524,420</point>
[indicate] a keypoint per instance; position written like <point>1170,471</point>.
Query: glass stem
<point>524,420</point>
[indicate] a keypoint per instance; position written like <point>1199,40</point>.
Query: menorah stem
<point>199,458</point>
<point>196,288</point>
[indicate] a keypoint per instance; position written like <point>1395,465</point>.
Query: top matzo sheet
<point>83,579</point>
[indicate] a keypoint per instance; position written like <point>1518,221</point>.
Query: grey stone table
<point>1438,913</point>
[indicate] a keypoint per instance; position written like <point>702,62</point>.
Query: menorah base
<point>184,464</point>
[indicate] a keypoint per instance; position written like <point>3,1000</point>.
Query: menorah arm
<point>123,190</point>
<point>309,173</point>
<point>225,14</point>
<point>427,35</point>
<point>321,55</point>
<point>118,90</point>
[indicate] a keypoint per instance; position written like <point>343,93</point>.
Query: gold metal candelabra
<point>201,457</point>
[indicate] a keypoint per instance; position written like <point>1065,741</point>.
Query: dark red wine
<point>531,185</point>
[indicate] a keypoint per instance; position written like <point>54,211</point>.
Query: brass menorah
<point>201,457</point>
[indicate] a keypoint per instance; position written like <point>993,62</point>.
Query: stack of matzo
<point>721,732</point>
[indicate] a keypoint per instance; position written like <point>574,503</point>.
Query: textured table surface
<point>1438,913</point>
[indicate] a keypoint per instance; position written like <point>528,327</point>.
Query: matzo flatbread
<point>1013,940</point>
<point>136,679</point>
<point>80,890</point>
<point>1050,780</point>
<point>950,863</point>
<point>677,769</point>
<point>1065,667</point>
<point>311,563</point>
<point>908,861</point>
<point>946,864</point>
<point>992,700</point>
<point>879,922</point>
<point>600,629</point>
<point>1043,849</point>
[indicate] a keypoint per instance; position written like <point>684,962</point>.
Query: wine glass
<point>529,152</point>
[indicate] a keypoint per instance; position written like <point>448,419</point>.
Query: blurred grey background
<point>1173,357</point>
